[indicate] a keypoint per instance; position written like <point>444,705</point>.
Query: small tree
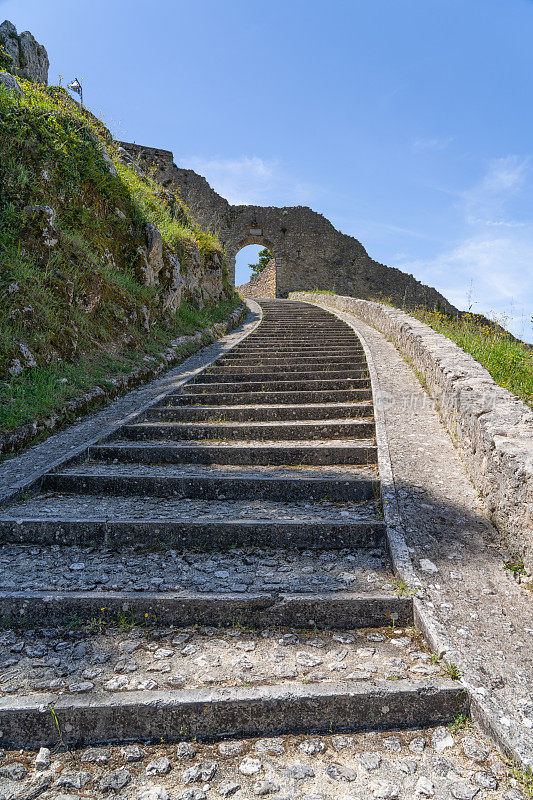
<point>263,257</point>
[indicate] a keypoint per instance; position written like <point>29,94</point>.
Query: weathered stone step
<point>265,397</point>
<point>247,413</point>
<point>291,367</point>
<point>302,349</point>
<point>221,534</point>
<point>256,453</point>
<point>232,711</point>
<point>301,429</point>
<point>294,374</point>
<point>253,610</point>
<point>283,362</point>
<point>308,384</point>
<point>214,484</point>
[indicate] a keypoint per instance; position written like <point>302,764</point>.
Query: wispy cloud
<point>438,143</point>
<point>252,180</point>
<point>495,258</point>
<point>485,203</point>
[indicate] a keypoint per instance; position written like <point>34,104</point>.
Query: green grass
<point>44,390</point>
<point>79,304</point>
<point>509,362</point>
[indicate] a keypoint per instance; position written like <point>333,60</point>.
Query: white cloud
<point>251,180</point>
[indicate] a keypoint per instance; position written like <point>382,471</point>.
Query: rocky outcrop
<point>30,59</point>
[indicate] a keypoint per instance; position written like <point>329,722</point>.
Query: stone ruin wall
<point>262,285</point>
<point>309,252</point>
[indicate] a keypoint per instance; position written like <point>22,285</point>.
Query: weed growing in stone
<point>515,565</point>
<point>461,724</point>
<point>451,670</point>
<point>523,777</point>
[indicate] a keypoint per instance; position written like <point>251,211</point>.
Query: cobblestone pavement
<point>454,763</point>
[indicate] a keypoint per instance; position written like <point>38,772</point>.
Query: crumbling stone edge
<point>24,435</point>
<point>490,715</point>
<point>222,342</point>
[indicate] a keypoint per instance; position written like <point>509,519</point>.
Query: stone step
<point>303,349</point>
<point>259,370</point>
<point>265,397</point>
<point>247,413</point>
<point>142,610</point>
<point>308,384</point>
<point>286,452</point>
<point>347,483</point>
<point>233,711</point>
<point>294,430</point>
<point>293,374</point>
<point>221,534</point>
<point>283,363</point>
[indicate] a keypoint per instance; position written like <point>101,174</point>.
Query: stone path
<point>219,568</point>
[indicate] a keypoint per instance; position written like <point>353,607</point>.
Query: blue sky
<point>406,122</point>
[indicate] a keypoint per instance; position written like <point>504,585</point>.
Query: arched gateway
<point>309,252</point>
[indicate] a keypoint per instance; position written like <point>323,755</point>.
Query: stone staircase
<point>219,568</point>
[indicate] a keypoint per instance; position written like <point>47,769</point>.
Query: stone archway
<point>264,284</point>
<point>310,254</point>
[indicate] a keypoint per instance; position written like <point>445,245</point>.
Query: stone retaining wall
<point>492,427</point>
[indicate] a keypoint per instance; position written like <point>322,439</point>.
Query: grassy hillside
<point>510,362</point>
<point>74,308</point>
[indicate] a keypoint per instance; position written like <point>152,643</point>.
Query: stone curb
<point>493,428</point>
<point>490,717</point>
<point>232,711</point>
<point>17,439</point>
<point>28,477</point>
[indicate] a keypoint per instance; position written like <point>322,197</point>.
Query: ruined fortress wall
<point>309,252</point>
<point>263,285</point>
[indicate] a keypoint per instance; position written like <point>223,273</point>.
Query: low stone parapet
<point>492,427</point>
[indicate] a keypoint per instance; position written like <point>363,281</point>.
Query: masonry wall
<point>493,428</point>
<point>263,285</point>
<point>309,252</point>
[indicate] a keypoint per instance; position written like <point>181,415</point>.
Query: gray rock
<point>74,780</point>
<point>463,790</point>
<point>262,788</point>
<point>115,781</point>
<point>475,749</point>
<point>485,780</point>
<point>160,766</point>
<point>10,83</point>
<point>311,747</point>
<point>337,772</point>
<point>227,788</point>
<point>96,755</point>
<point>30,59</point>
<point>43,760</point>
<point>409,766</point>
<point>35,788</point>
<point>15,771</point>
<point>250,766</point>
<point>192,794</point>
<point>185,750</point>
<point>153,793</point>
<point>300,772</point>
<point>385,790</point>
<point>369,761</point>
<point>132,753</point>
<point>230,748</point>
<point>425,787</point>
<point>392,743</point>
